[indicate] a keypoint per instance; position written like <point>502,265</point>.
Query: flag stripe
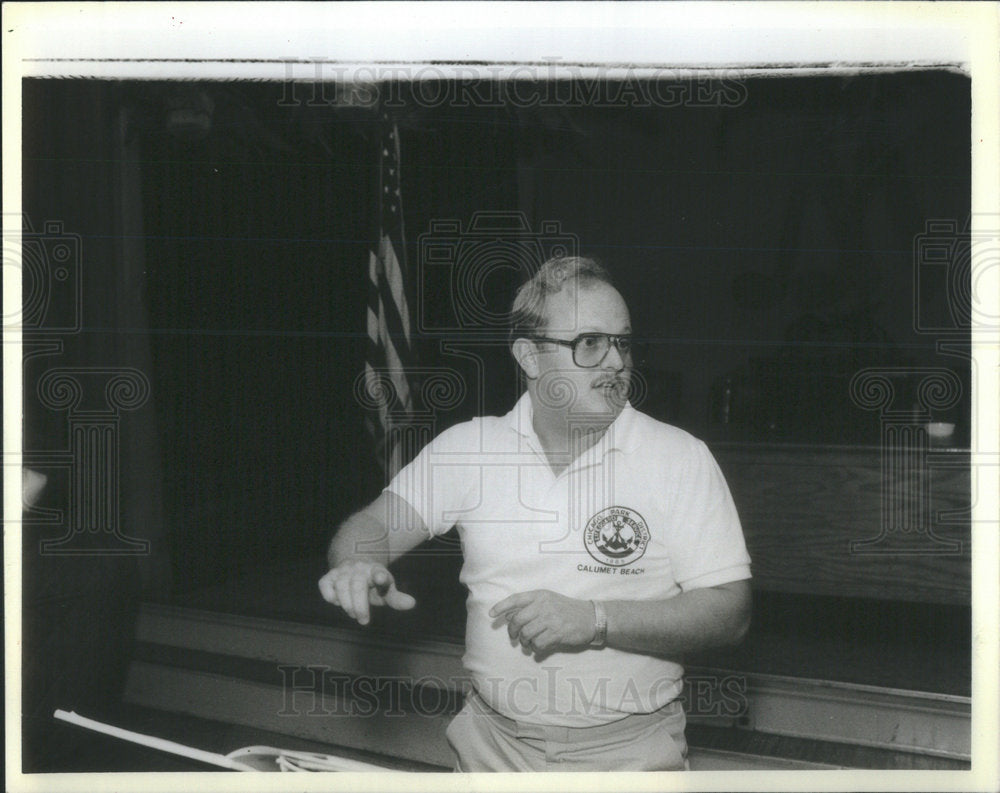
<point>389,355</point>
<point>392,322</point>
<point>394,280</point>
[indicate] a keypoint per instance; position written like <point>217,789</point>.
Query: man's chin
<point>603,408</point>
<point>612,398</point>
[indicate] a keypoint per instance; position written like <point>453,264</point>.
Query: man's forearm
<point>361,536</point>
<point>380,533</point>
<point>690,622</point>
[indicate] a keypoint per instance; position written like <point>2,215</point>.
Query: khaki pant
<point>484,740</point>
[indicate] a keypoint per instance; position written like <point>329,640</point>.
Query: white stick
<point>150,741</point>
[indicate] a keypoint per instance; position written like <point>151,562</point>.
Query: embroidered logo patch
<point>616,536</point>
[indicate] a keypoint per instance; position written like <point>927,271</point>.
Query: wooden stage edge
<point>340,688</point>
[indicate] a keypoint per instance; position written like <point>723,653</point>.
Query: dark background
<point>765,246</point>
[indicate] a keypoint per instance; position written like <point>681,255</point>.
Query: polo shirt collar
<point>622,435</point>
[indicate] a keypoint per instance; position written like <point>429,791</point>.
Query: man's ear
<point>526,356</point>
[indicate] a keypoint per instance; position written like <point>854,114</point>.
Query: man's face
<point>583,393</point>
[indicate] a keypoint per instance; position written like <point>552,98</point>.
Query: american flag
<point>390,353</point>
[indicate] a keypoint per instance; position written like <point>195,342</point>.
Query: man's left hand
<point>542,620</point>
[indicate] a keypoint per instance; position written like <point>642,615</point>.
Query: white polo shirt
<point>644,514</point>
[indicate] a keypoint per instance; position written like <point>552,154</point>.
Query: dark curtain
<point>257,260</point>
<point>767,242</point>
<point>94,543</point>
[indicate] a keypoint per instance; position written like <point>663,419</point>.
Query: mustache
<point>618,380</point>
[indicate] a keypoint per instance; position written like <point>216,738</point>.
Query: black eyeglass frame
<point>614,340</point>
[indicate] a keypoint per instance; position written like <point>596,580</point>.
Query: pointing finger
<point>343,590</point>
<point>359,598</point>
<point>399,600</point>
<point>385,592</point>
<point>382,580</point>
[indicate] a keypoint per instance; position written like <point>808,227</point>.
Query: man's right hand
<point>356,584</point>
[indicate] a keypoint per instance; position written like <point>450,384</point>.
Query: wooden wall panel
<point>806,513</point>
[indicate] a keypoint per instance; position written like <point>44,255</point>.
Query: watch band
<point>600,624</point>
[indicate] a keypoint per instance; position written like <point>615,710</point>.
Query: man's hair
<point>527,313</point>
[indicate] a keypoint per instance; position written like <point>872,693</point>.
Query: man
<point>599,546</point>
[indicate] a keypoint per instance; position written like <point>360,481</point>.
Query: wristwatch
<point>600,625</point>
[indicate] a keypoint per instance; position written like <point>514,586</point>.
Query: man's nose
<point>614,360</point>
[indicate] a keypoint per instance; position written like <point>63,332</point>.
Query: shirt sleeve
<point>708,548</point>
<point>434,483</point>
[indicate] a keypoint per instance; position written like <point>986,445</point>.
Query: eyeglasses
<point>590,349</point>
